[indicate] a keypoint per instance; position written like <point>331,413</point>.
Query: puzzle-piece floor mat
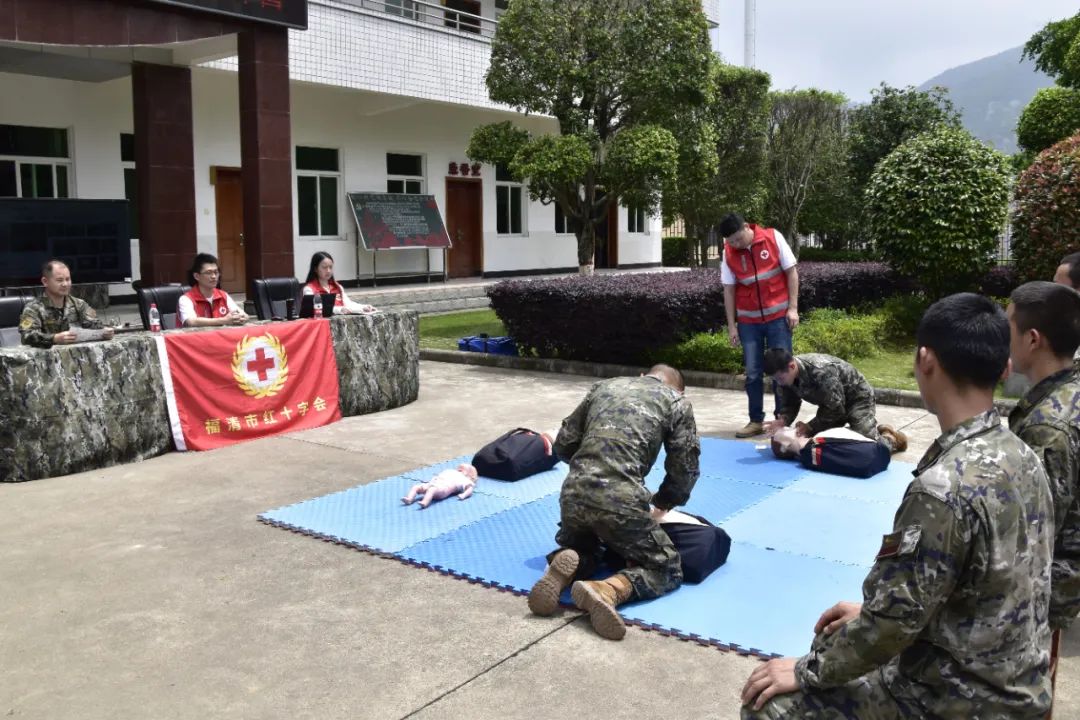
<point>801,540</point>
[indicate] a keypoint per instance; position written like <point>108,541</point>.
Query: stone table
<point>80,407</point>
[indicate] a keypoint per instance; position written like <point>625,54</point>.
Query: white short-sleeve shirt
<point>787,260</point>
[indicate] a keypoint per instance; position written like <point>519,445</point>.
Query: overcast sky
<point>853,45</point>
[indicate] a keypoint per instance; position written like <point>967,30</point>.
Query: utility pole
<point>750,39</point>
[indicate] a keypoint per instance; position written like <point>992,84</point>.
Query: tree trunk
<point>586,241</point>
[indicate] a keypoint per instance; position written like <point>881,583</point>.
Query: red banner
<point>230,385</point>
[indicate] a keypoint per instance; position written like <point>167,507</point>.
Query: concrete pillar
<point>165,168</point>
<point>266,152</point>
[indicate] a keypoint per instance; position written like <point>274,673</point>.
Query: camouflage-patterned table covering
<point>80,407</point>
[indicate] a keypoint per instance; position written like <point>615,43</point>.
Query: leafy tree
<point>1056,51</point>
<point>1051,116</point>
<point>805,129</point>
<point>892,116</point>
<point>936,205</point>
<point>733,125</point>
<point>616,75</point>
<point>1046,215</point>
<point>831,211</point>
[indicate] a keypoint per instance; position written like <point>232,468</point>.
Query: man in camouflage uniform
<point>953,619</point>
<point>841,393</point>
<point>1045,323</point>
<point>611,441</point>
<point>47,320</point>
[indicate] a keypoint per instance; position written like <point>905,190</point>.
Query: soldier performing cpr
<point>611,441</point>
<point>841,393</point>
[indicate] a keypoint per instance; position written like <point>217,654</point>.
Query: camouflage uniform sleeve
<point>683,450</point>
<point>573,428</point>
<point>32,330</point>
<point>832,411</point>
<point>911,578</point>
<point>87,315</point>
<point>790,404</point>
<point>1057,451</point>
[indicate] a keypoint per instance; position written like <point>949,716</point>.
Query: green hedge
<point>835,332</point>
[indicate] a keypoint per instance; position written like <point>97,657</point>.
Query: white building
<point>384,96</point>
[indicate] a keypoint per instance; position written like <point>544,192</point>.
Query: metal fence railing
<point>446,16</point>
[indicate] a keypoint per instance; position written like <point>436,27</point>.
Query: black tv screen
<point>91,236</point>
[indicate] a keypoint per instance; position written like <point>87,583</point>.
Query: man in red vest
<point>205,304</point>
<point>761,299</point>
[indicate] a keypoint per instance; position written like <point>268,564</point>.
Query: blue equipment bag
<point>483,343</point>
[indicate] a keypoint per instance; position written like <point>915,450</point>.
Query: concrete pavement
<point>150,590</point>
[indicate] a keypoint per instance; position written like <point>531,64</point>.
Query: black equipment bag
<point>702,549</point>
<point>514,455</point>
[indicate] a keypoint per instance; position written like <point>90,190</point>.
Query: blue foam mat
<point>825,531</point>
<point>765,602</point>
<point>840,530</point>
<point>508,552</point>
<point>372,516</point>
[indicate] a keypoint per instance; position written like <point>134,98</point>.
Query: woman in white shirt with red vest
<point>205,304</point>
<point>320,279</point>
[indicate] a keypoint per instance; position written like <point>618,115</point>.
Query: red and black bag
<point>515,455</point>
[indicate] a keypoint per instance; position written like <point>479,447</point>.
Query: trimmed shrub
<point>935,207</point>
<point>1046,219</point>
<point>608,318</point>
<point>711,352</point>
<point>1051,116</point>
<point>626,318</point>
<point>675,251</point>
<point>847,285</point>
<point>835,332</point>
<point>901,315</point>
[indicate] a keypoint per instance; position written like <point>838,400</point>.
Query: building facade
<point>373,96</point>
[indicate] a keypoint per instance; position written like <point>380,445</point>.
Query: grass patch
<point>442,332</point>
<point>889,369</point>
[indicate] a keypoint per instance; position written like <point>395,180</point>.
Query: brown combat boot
<point>750,429</point>
<point>544,596</point>
<point>897,438</point>
<point>599,598</point>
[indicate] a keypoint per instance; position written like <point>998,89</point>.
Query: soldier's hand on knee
<point>837,616</point>
<point>775,677</point>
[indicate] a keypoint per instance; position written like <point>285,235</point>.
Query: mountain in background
<point>990,94</point>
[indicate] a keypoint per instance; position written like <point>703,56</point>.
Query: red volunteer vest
<point>214,308</point>
<point>317,289</point>
<point>761,287</point>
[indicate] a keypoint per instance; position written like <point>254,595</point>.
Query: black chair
<point>11,308</point>
<point>271,294</point>
<point>166,297</point>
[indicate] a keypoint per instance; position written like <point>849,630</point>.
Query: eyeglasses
<point>210,273</point>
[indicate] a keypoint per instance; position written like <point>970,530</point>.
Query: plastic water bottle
<point>318,307</point>
<point>155,318</point>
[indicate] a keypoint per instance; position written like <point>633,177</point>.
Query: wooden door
<point>229,198</point>
<point>464,223</point>
<point>613,234</point>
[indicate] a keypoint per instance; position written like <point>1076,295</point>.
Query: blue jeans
<point>755,337</point>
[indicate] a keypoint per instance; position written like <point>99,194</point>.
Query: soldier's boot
<point>544,596</point>
<point>599,598</point>
<point>750,429</point>
<point>897,439</point>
